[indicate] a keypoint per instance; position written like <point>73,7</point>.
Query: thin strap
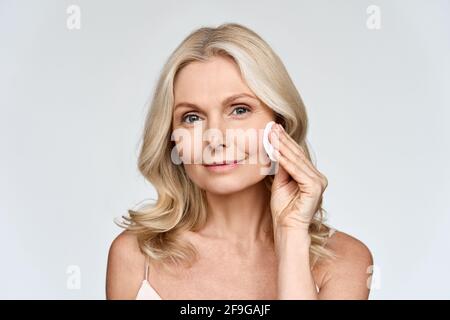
<point>146,267</point>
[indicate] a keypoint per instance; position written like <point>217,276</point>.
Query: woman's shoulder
<point>125,270</point>
<point>351,268</point>
<point>126,240</point>
<point>348,246</point>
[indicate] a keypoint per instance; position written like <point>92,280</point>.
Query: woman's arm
<point>125,270</point>
<point>346,277</point>
<point>297,191</point>
<point>349,276</point>
<point>295,280</point>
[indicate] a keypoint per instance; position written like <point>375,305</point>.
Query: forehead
<point>213,79</point>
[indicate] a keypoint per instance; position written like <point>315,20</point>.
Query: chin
<point>230,184</point>
<point>224,186</point>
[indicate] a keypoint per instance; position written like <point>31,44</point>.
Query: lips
<point>222,163</point>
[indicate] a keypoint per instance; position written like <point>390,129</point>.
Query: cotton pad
<point>266,144</point>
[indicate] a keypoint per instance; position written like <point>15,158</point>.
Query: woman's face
<point>218,119</point>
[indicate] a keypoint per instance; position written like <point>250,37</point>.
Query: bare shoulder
<point>125,270</point>
<point>347,276</point>
<point>349,249</point>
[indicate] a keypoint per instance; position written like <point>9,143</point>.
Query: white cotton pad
<point>267,146</point>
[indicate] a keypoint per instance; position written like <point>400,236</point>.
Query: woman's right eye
<point>189,116</point>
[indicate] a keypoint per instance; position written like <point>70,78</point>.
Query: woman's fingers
<point>288,140</point>
<point>295,153</point>
<point>296,171</point>
<point>293,157</point>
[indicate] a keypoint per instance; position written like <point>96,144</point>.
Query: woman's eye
<point>242,110</point>
<point>190,116</point>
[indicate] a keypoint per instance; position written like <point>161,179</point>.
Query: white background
<point>73,104</point>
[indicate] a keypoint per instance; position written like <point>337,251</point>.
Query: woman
<point>233,231</point>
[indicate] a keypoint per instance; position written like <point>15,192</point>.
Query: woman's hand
<point>297,187</point>
<point>296,192</point>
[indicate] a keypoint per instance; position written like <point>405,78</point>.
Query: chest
<point>220,274</point>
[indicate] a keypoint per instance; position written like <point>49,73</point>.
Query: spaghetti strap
<point>146,291</point>
<point>146,267</point>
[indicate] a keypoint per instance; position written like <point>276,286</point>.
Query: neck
<point>243,216</point>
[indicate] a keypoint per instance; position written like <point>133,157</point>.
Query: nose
<point>214,134</point>
<point>215,144</point>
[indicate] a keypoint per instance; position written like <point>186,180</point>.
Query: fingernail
<point>274,127</point>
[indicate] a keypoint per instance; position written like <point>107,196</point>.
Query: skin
<point>252,246</point>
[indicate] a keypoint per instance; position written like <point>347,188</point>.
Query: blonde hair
<point>181,205</point>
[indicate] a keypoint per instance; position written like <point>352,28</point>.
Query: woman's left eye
<point>242,109</point>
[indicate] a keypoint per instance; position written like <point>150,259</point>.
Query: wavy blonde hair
<point>181,205</point>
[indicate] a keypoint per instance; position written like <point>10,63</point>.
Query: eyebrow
<point>224,102</point>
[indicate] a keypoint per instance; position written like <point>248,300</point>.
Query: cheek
<point>244,141</point>
<point>254,148</point>
<point>189,149</point>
